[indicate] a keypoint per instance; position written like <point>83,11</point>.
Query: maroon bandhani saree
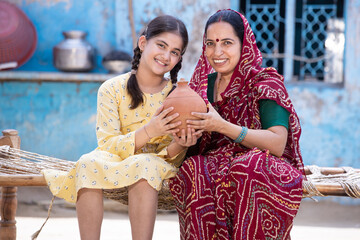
<point>230,191</point>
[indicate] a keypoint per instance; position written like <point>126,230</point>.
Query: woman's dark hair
<point>231,17</point>
<point>158,25</point>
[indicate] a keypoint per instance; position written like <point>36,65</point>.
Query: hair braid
<point>132,85</point>
<point>173,75</point>
<point>136,59</point>
<point>174,72</point>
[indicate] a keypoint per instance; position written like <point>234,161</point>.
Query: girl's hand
<point>189,139</point>
<point>160,125</point>
<point>210,121</point>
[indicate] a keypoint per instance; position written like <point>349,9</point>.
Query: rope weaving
<point>349,181</point>
<point>19,162</point>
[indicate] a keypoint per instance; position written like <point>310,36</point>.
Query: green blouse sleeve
<point>272,114</point>
<point>211,85</point>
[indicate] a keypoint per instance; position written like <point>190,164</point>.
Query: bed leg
<point>8,199</point>
<point>8,206</point>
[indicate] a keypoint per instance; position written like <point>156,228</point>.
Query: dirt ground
<point>316,220</point>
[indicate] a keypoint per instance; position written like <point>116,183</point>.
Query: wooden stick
<point>329,170</point>
<point>22,180</point>
<point>329,189</point>
<point>132,23</point>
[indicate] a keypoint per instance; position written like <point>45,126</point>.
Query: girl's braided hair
<point>158,25</point>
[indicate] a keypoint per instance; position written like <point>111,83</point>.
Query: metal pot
<point>74,53</point>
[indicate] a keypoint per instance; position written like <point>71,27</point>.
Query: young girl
<point>137,145</point>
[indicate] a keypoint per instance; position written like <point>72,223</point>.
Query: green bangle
<point>242,135</point>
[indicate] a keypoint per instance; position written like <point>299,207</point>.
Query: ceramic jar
<point>184,100</point>
<point>74,53</point>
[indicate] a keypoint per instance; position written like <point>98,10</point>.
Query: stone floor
<point>323,220</point>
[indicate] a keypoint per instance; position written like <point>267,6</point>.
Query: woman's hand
<point>210,121</point>
<point>189,139</point>
<point>160,125</point>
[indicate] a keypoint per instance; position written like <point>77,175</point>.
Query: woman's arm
<point>183,142</point>
<point>274,138</point>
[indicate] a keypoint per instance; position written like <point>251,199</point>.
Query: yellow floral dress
<point>114,163</point>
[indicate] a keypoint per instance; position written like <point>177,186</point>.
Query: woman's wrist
<point>242,135</point>
<point>225,128</point>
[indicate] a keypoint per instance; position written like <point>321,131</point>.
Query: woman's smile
<point>220,61</point>
<point>223,48</point>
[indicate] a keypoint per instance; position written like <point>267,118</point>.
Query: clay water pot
<point>184,100</point>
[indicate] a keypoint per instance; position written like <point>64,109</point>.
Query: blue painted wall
<point>51,18</point>
<point>108,26</point>
<point>53,118</point>
<point>56,118</point>
<point>330,116</point>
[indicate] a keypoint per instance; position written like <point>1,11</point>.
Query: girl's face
<point>223,48</point>
<point>161,53</point>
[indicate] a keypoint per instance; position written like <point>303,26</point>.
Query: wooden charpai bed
<point>21,168</point>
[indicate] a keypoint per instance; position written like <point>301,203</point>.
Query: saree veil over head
<point>250,83</point>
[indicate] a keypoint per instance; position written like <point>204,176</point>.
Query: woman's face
<point>223,48</point>
<point>161,53</point>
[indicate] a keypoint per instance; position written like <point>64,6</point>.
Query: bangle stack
<point>242,135</point>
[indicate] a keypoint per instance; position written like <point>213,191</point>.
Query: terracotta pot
<point>184,100</point>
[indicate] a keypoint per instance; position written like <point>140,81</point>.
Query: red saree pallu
<point>229,191</point>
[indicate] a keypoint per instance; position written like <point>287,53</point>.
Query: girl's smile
<point>161,53</point>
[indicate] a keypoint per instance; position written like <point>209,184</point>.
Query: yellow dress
<point>114,164</point>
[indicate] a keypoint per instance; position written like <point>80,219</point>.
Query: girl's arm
<point>159,125</point>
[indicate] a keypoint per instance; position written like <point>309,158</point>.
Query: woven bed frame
<point>8,201</point>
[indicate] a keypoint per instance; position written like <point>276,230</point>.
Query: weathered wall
<point>53,118</point>
<point>108,26</point>
<point>52,17</point>
<point>330,116</point>
<point>58,119</point>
